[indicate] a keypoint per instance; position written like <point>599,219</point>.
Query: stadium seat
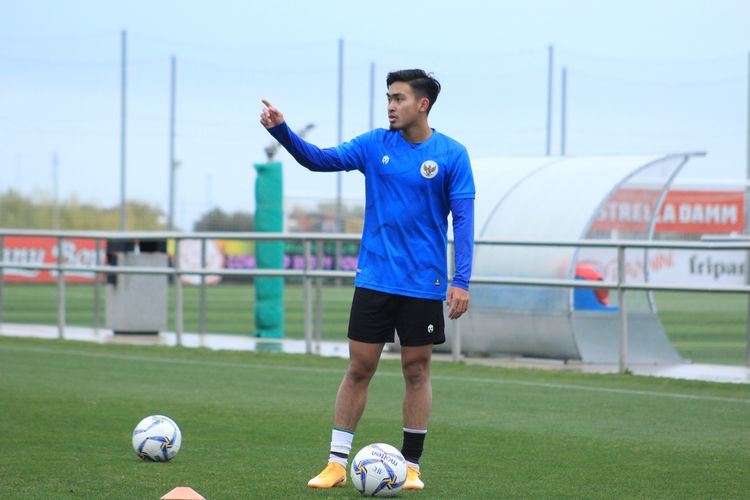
<point>591,299</point>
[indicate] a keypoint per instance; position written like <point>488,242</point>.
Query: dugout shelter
<point>564,199</point>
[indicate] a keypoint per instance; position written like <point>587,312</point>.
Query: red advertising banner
<point>35,250</point>
<point>683,211</point>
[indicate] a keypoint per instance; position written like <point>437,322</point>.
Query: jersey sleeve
<point>308,155</point>
<point>462,210</point>
<point>461,181</point>
<point>353,154</point>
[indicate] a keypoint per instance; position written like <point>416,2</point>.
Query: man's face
<point>404,107</point>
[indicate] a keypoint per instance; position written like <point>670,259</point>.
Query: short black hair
<point>422,83</point>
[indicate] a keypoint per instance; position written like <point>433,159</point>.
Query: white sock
<point>341,442</point>
<point>413,465</point>
<point>339,460</point>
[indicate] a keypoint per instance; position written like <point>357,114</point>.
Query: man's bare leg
<point>415,364</point>
<point>350,405</point>
<point>352,395</point>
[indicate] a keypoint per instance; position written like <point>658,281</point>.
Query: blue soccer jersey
<point>409,191</point>
<point>408,188</point>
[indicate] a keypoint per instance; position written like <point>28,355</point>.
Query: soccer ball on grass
<point>157,439</point>
<point>378,470</point>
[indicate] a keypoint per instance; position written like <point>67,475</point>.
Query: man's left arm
<point>463,242</point>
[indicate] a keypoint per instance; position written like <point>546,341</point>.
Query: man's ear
<point>424,104</point>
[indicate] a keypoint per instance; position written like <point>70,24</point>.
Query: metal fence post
<point>307,288</point>
<point>2,277</point>
<point>60,290</point>
<point>747,298</point>
<point>318,329</point>
<point>623,358</point>
<point>97,287</point>
<point>456,344</point>
<point>178,323</point>
<point>202,307</point>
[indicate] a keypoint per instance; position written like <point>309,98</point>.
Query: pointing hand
<point>270,116</point>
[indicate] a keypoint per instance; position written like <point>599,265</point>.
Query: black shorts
<point>376,315</point>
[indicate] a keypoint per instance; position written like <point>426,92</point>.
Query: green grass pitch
<point>257,425</point>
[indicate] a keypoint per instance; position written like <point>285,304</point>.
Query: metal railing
<point>308,273</point>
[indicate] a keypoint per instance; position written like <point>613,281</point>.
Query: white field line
<point>338,371</point>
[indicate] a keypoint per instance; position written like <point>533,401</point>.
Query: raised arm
<point>308,155</point>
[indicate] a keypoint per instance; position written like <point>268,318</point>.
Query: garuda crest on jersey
<point>429,169</point>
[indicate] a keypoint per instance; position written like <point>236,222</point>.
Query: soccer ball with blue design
<point>157,439</point>
<point>378,470</point>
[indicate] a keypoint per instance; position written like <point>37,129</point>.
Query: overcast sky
<point>643,77</point>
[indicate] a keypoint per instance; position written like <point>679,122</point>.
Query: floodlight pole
<point>339,140</point>
<point>372,96</point>
<point>172,161</point>
<point>550,69</point>
<point>747,214</point>
<point>56,183</point>
<point>563,109</point>
<point>123,83</point>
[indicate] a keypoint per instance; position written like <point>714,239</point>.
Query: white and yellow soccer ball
<point>157,438</point>
<point>378,470</point>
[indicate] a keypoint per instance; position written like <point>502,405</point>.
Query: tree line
<point>20,211</point>
<point>41,211</point>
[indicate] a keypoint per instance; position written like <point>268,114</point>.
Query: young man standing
<point>414,177</point>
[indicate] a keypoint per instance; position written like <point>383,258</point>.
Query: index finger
<point>267,104</point>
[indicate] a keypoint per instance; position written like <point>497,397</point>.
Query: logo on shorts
<point>386,159</point>
<point>429,169</point>
<point>430,328</point>
<point>437,282</point>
